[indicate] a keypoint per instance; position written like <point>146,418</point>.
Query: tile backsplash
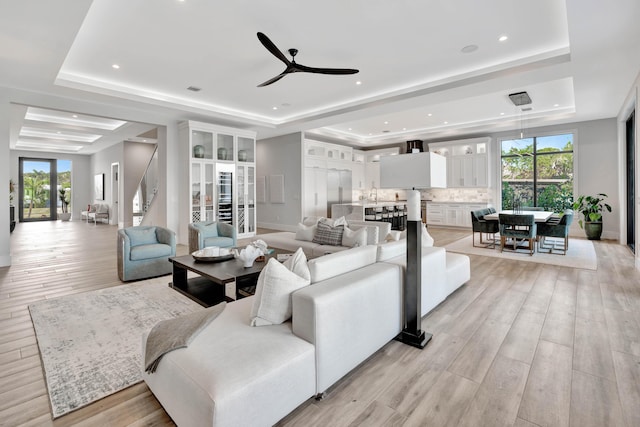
<point>459,195</point>
<point>454,195</point>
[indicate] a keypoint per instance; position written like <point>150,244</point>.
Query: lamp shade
<point>417,170</point>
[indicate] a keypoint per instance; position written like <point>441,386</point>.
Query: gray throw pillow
<point>328,235</point>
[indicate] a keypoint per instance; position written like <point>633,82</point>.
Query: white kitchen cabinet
<point>315,192</point>
<point>221,175</point>
<point>451,214</point>
<point>372,175</point>
<point>358,176</point>
<point>467,162</point>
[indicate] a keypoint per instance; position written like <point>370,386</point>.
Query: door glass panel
<point>36,196</point>
<point>64,186</point>
<point>208,194</point>
<point>251,191</point>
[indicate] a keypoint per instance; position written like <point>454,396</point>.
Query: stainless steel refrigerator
<point>338,188</point>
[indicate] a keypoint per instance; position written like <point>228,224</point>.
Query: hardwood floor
<point>521,344</point>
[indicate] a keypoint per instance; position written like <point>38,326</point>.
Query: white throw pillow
<point>393,236</point>
<point>353,238</point>
<point>297,263</point>
<point>312,220</point>
<point>305,233</point>
<point>272,301</point>
<point>334,222</point>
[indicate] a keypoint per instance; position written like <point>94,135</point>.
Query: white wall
<point>281,156</point>
<point>81,187</point>
<point>5,253</point>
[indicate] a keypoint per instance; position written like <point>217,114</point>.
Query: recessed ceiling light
<point>446,123</point>
<point>370,134</point>
<point>469,48</point>
<point>556,105</point>
<point>502,114</point>
<point>274,108</point>
<point>115,66</point>
<point>503,38</point>
<point>404,128</point>
<point>75,116</point>
<point>429,115</point>
<point>358,82</point>
<point>350,129</point>
<point>386,123</point>
<point>58,132</point>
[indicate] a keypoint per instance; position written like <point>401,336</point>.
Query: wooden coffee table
<point>209,288</point>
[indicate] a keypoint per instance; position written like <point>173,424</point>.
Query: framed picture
<point>99,186</point>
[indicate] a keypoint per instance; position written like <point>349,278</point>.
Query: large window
<point>538,171</point>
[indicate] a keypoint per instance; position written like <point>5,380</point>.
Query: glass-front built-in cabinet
<point>222,175</point>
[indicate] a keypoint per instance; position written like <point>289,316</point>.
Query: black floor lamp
<point>413,172</point>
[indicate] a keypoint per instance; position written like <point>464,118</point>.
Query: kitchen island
<point>393,212</point>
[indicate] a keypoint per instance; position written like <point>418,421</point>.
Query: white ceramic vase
<point>248,255</point>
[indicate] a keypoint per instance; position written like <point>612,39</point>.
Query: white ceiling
<point>576,59</point>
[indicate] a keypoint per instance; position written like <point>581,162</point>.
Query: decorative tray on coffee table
<point>200,257</point>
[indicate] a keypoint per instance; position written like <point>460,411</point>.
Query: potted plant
<point>591,207</point>
<point>64,194</point>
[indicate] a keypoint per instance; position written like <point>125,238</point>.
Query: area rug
<point>91,343</point>
<point>581,253</point>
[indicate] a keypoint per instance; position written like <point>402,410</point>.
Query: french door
<point>38,189</point>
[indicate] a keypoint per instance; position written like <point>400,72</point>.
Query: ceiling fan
<point>292,66</point>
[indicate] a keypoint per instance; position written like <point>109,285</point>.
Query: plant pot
<point>12,216</point>
<point>64,216</point>
<point>593,230</point>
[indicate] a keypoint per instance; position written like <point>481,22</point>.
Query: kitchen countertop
<point>374,205</point>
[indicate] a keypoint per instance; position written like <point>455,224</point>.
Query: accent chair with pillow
<point>144,252</point>
<point>211,233</point>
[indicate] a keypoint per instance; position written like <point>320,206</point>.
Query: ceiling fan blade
<point>317,70</point>
<point>271,47</point>
<point>273,80</point>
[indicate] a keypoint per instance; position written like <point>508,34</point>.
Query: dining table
<point>538,216</point>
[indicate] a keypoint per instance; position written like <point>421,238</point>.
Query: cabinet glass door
<point>242,199</point>
<point>246,150</point>
<point>209,187</point>
<point>201,144</point>
<point>251,199</point>
<point>225,147</point>
<point>196,191</point>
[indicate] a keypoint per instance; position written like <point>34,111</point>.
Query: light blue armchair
<point>144,252</point>
<point>211,233</point>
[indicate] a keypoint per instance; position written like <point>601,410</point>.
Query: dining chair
<point>518,228</point>
<point>483,226</point>
<point>555,229</point>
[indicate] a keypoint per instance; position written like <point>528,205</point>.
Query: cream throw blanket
<point>171,334</point>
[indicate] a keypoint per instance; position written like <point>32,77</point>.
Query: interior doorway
<point>631,167</point>
<point>115,194</point>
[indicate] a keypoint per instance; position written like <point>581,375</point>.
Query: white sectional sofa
<point>233,374</point>
<point>377,231</point>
